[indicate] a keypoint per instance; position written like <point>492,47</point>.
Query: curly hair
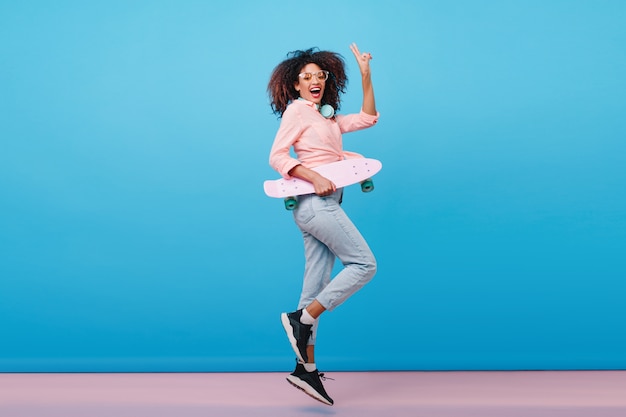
<point>281,88</point>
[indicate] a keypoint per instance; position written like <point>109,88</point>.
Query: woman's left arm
<point>363,59</point>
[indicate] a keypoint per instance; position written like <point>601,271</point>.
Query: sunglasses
<point>320,75</point>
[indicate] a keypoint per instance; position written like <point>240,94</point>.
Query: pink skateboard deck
<point>342,173</point>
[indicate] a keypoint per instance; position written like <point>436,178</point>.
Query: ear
<point>296,86</point>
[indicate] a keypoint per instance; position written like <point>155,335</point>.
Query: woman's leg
<point>331,226</point>
<point>319,261</point>
<point>328,233</point>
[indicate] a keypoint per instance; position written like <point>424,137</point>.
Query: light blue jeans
<point>328,234</point>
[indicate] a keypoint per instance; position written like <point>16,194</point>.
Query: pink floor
<point>363,394</point>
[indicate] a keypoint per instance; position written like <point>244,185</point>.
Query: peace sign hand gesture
<point>363,59</point>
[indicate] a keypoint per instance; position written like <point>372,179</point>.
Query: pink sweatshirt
<point>315,139</point>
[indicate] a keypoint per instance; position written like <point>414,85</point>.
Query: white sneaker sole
<point>289,330</point>
<point>303,386</point>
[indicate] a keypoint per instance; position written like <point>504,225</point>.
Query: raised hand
<point>363,59</point>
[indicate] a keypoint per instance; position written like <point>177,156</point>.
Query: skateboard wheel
<point>290,203</point>
<point>367,185</point>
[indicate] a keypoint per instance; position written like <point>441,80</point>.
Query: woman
<point>304,91</point>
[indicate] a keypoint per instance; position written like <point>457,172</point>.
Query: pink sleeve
<point>288,132</point>
<point>357,121</point>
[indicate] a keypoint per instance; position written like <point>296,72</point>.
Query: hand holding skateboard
<point>341,174</point>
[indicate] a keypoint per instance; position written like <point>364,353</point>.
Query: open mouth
<point>316,92</point>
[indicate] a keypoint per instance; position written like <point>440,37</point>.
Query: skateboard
<point>341,173</point>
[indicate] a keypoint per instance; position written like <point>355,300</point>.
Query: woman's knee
<point>369,268</point>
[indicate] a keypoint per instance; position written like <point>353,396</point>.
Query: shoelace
<point>324,378</point>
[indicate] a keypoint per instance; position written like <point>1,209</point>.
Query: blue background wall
<point>135,235</point>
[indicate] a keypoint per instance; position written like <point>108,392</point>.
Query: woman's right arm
<point>288,132</point>
<point>323,186</point>
<point>281,160</point>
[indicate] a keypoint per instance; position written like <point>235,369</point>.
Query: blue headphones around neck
<point>326,110</point>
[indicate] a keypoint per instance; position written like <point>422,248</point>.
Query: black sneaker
<point>297,333</point>
<point>310,383</point>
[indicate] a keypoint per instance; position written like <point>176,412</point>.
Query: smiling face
<point>312,89</point>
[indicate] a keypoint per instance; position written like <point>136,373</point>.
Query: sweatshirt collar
<point>309,103</point>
